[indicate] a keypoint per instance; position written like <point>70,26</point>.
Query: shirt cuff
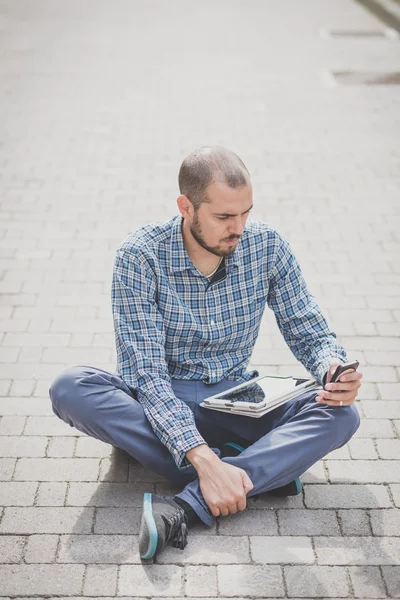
<point>179,449</point>
<point>323,367</point>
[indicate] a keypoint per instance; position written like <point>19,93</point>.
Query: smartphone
<point>342,368</point>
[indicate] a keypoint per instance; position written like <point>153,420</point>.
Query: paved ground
<point>101,102</point>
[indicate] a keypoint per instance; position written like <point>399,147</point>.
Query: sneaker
<point>163,522</point>
<point>291,489</point>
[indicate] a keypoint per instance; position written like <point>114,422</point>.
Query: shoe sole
<point>151,527</point>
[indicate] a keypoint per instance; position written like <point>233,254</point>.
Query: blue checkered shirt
<point>172,322</point>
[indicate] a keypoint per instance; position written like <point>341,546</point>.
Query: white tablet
<point>259,394</point>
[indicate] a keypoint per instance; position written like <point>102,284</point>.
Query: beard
<point>195,230</point>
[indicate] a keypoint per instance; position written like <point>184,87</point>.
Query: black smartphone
<point>342,368</point>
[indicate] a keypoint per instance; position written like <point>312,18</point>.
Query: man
<point>188,296</point>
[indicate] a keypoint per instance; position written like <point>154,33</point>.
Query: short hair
<point>207,164</point>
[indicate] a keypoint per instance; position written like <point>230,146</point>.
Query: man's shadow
<point>106,531</point>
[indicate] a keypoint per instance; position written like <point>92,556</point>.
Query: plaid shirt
<point>172,322</point>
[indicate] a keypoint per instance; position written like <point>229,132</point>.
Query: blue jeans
<point>280,446</point>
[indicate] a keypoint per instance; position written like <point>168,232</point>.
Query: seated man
<point>188,296</point>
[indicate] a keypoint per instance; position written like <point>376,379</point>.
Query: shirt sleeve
<point>298,315</point>
<point>140,342</point>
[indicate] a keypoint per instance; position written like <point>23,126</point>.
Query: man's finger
<point>247,483</point>
<point>242,503</point>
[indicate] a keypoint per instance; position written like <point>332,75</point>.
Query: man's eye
<point>222,218</point>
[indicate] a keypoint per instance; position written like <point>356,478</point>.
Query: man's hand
<point>224,487</point>
<point>344,391</point>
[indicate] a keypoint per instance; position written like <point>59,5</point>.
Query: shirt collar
<point>179,257</point>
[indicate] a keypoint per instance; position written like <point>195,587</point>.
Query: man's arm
<point>298,315</point>
<point>140,341</point>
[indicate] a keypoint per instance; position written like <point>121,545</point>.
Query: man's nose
<point>236,227</point>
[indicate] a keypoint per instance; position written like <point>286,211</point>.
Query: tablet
<point>259,395</point>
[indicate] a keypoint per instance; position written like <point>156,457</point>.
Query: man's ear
<point>185,206</point>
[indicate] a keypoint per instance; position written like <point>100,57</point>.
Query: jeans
<point>279,446</point>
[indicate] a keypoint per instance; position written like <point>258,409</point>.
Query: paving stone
<point>281,550</point>
<point>46,520</point>
<point>384,471</point>
<point>150,580</point>
<point>10,425</point>
<point>395,490</point>
<point>342,453</point>
<point>373,410</point>
<point>89,447</point>
<point>201,581</point>
<point>102,549</point>
<point>209,550</point>
<point>389,391</point>
<point>115,469</point>
<point>7,467</point>
<point>357,550</point>
<point>362,449</point>
<point>18,446</point>
<point>249,522</point>
<point>41,548</point>
<point>388,449</point>
<point>17,494</point>
<point>107,494</point>
<point>347,496</point>
<point>25,406</point>
<point>354,522</point>
<point>51,493</point>
<point>374,428</point>
<point>117,520</point>
<point>315,474</point>
<point>391,576</point>
<point>41,579</point>
<point>385,522</point>
<point>316,582</point>
<point>250,580</point>
<point>11,548</point>
<point>57,469</point>
<point>49,425</point>
<point>61,447</point>
<point>307,522</point>
<point>100,580</point>
<point>367,582</point>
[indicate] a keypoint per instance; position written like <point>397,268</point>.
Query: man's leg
<point>287,442</point>
<point>101,405</point>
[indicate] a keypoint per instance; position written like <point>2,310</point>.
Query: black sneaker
<point>163,522</point>
<point>291,489</point>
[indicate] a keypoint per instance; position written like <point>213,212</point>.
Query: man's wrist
<point>201,456</point>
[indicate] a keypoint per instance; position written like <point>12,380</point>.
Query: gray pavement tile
<point>367,582</point>
<point>250,580</point>
<point>150,580</point>
<point>316,582</point>
<point>357,550</point>
<point>41,579</point>
<point>101,580</point>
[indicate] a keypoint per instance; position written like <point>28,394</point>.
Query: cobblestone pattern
<point>100,103</point>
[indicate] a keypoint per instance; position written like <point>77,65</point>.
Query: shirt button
<point>212,322</point>
<point>175,451</point>
<point>213,373</point>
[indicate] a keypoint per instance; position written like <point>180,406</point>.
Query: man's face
<point>218,226</point>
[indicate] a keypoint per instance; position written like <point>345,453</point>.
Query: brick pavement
<point>101,101</point>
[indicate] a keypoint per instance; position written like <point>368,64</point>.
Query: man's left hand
<point>344,391</point>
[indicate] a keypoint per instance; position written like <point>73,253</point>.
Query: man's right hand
<point>224,487</point>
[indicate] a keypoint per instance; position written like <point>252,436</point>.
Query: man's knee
<point>65,392</point>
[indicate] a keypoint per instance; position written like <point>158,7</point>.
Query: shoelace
<point>177,530</point>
